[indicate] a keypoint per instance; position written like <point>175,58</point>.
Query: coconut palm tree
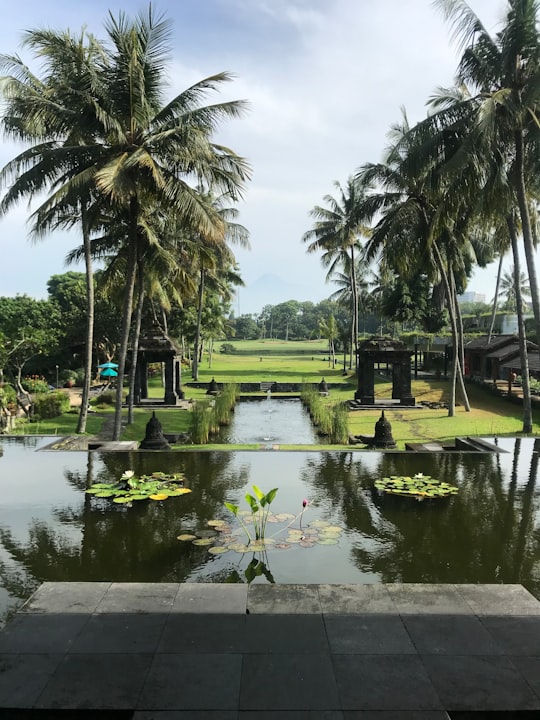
<point>337,231</point>
<point>503,75</point>
<point>142,152</point>
<point>56,113</point>
<point>509,289</point>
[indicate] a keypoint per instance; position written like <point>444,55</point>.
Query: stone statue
<point>153,438</point>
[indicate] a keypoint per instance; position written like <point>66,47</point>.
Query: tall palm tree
<point>503,73</point>
<point>142,152</point>
<point>57,114</point>
<point>337,231</point>
<point>509,289</point>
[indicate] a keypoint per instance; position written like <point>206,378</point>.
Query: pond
<point>269,421</point>
<point>50,529</point>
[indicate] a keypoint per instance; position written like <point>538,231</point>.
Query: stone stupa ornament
<point>382,438</point>
<point>153,438</point>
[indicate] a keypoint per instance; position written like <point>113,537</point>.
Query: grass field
<point>274,360</point>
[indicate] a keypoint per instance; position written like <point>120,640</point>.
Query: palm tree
<point>141,152</point>
<point>337,232</point>
<point>57,114</point>
<point>509,287</point>
<point>503,73</point>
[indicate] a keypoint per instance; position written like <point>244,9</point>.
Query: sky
<point>324,79</point>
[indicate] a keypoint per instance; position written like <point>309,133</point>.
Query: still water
<point>50,529</point>
<point>270,421</point>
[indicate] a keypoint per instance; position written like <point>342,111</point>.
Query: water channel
<point>50,529</point>
<point>270,421</point>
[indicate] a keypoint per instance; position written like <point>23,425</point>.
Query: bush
<point>35,384</point>
<point>227,349</point>
<point>8,394</point>
<point>50,405</point>
<point>106,398</point>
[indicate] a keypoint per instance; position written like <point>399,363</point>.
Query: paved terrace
<point>264,652</point>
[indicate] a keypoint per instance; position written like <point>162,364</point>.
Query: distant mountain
<point>272,289</point>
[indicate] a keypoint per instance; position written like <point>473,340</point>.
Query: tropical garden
<point>153,195</point>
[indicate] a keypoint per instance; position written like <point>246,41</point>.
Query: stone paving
<point>172,651</point>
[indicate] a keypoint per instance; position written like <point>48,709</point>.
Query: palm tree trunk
<point>525,383</point>
<point>135,347</point>
<point>526,230</point>
<point>127,312</point>
<point>85,398</point>
<point>461,349</point>
<point>195,367</point>
<point>496,298</point>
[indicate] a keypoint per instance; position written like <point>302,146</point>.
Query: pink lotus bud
<point>304,503</point>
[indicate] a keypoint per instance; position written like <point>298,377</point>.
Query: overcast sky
<point>325,79</point>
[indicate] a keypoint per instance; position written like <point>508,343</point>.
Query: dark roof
<point>515,363</point>
<point>508,351</point>
<point>481,343</point>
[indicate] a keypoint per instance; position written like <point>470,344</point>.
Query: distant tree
<point>246,328</point>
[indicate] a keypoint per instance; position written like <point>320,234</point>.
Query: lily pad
<point>218,550</point>
<point>186,536</point>
<point>327,541</point>
<point>216,523</point>
<point>158,496</point>
<point>122,499</point>
<point>203,541</point>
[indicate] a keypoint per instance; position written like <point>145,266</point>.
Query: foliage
<point>157,486</point>
<point>227,349</point>
<point>419,486</point>
<point>35,384</point>
<point>259,505</point>
<point>50,405</point>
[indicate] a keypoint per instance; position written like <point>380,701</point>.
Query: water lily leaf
<point>282,546</point>
<point>186,536</point>
<point>216,523</point>
<point>205,533</point>
<point>203,541</point>
<point>122,499</point>
<point>182,491</point>
<point>138,496</point>
<point>319,523</point>
<point>105,493</point>
<point>283,517</point>
<point>327,541</point>
<point>257,546</point>
<point>239,547</point>
<point>158,496</point>
<point>218,550</point>
<point>293,539</point>
<point>332,529</point>
<point>95,486</point>
<point>307,543</point>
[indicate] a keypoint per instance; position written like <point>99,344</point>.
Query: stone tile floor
<point>319,652</point>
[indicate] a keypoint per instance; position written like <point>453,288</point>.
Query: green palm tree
<point>57,114</point>
<point>508,290</point>
<point>142,152</point>
<point>337,231</point>
<point>503,75</point>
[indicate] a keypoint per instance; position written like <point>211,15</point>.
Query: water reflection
<point>50,529</point>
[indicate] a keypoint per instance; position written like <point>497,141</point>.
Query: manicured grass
<point>63,425</point>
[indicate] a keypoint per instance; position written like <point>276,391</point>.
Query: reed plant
<point>201,422</point>
<point>340,424</point>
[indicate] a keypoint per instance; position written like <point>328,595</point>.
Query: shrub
<point>35,384</point>
<point>50,405</point>
<point>106,398</point>
<point>7,394</point>
<point>227,349</point>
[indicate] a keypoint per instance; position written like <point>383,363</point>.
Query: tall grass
<point>330,419</point>
<point>209,415</point>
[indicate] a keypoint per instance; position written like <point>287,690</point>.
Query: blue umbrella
<point>108,365</point>
<point>109,372</point>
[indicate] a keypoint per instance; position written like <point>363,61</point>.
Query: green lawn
<point>297,362</point>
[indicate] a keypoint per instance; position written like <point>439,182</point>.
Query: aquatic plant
<point>419,486</point>
<point>260,508</point>
<point>157,486</point>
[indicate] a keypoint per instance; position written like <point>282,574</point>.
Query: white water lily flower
<point>419,475</point>
<point>127,474</point>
